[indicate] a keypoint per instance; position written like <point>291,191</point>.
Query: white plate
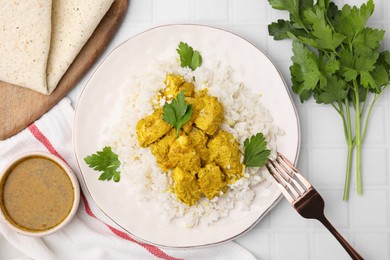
<point>250,66</point>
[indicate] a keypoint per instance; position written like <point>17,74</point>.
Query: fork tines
<point>292,183</point>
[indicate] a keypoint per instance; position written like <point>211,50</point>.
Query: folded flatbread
<point>73,22</point>
<point>25,30</point>
<point>40,39</point>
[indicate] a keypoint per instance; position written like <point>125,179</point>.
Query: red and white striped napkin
<point>91,234</point>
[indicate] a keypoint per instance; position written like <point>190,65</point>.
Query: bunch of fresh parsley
<point>337,60</point>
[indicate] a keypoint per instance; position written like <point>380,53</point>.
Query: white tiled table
<point>283,234</point>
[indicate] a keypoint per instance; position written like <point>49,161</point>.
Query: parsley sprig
<point>178,112</point>
<point>337,59</point>
<point>105,161</point>
<point>256,153</point>
<point>188,56</point>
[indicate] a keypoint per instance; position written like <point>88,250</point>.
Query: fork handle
<point>351,251</point>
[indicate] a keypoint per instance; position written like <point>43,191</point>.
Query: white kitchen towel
<point>91,234</point>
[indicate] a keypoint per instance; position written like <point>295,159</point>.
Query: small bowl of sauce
<point>39,194</point>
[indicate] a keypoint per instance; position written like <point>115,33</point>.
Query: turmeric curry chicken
<point>202,158</point>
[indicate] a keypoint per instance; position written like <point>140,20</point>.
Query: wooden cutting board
<point>19,107</point>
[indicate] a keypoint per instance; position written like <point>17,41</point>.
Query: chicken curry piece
<point>151,128</point>
<point>175,84</point>
<point>210,114</point>
<point>182,154</point>
<point>224,151</point>
<point>186,186</point>
<point>203,158</point>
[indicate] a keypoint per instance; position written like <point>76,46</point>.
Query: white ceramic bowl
<point>76,193</point>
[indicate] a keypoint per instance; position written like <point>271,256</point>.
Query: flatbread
<point>73,22</point>
<point>25,31</point>
<point>41,38</point>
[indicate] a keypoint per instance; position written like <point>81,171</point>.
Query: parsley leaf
<point>368,40</point>
<point>256,153</point>
<point>335,90</point>
<point>380,73</point>
<point>329,65</point>
<point>178,112</point>
<point>105,161</point>
<point>280,29</point>
<point>305,68</point>
<point>188,56</point>
<point>351,20</point>
<point>292,6</point>
<point>323,34</point>
<point>355,64</point>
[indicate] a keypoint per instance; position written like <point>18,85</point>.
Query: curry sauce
<point>36,194</point>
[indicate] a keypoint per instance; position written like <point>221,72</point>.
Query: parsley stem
<point>303,25</point>
<point>349,126</point>
<point>351,146</point>
<point>369,113</point>
<point>340,111</point>
<point>358,138</point>
<point>368,117</point>
<point>347,181</point>
<point>364,102</point>
<point>348,139</point>
<point>337,109</point>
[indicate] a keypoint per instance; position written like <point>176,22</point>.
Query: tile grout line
<point>230,14</point>
<point>153,11</point>
<point>192,10</point>
<point>387,129</point>
<point>311,243</point>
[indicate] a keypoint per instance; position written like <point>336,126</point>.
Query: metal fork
<point>303,197</point>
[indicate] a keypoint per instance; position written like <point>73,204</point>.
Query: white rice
<point>244,117</point>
